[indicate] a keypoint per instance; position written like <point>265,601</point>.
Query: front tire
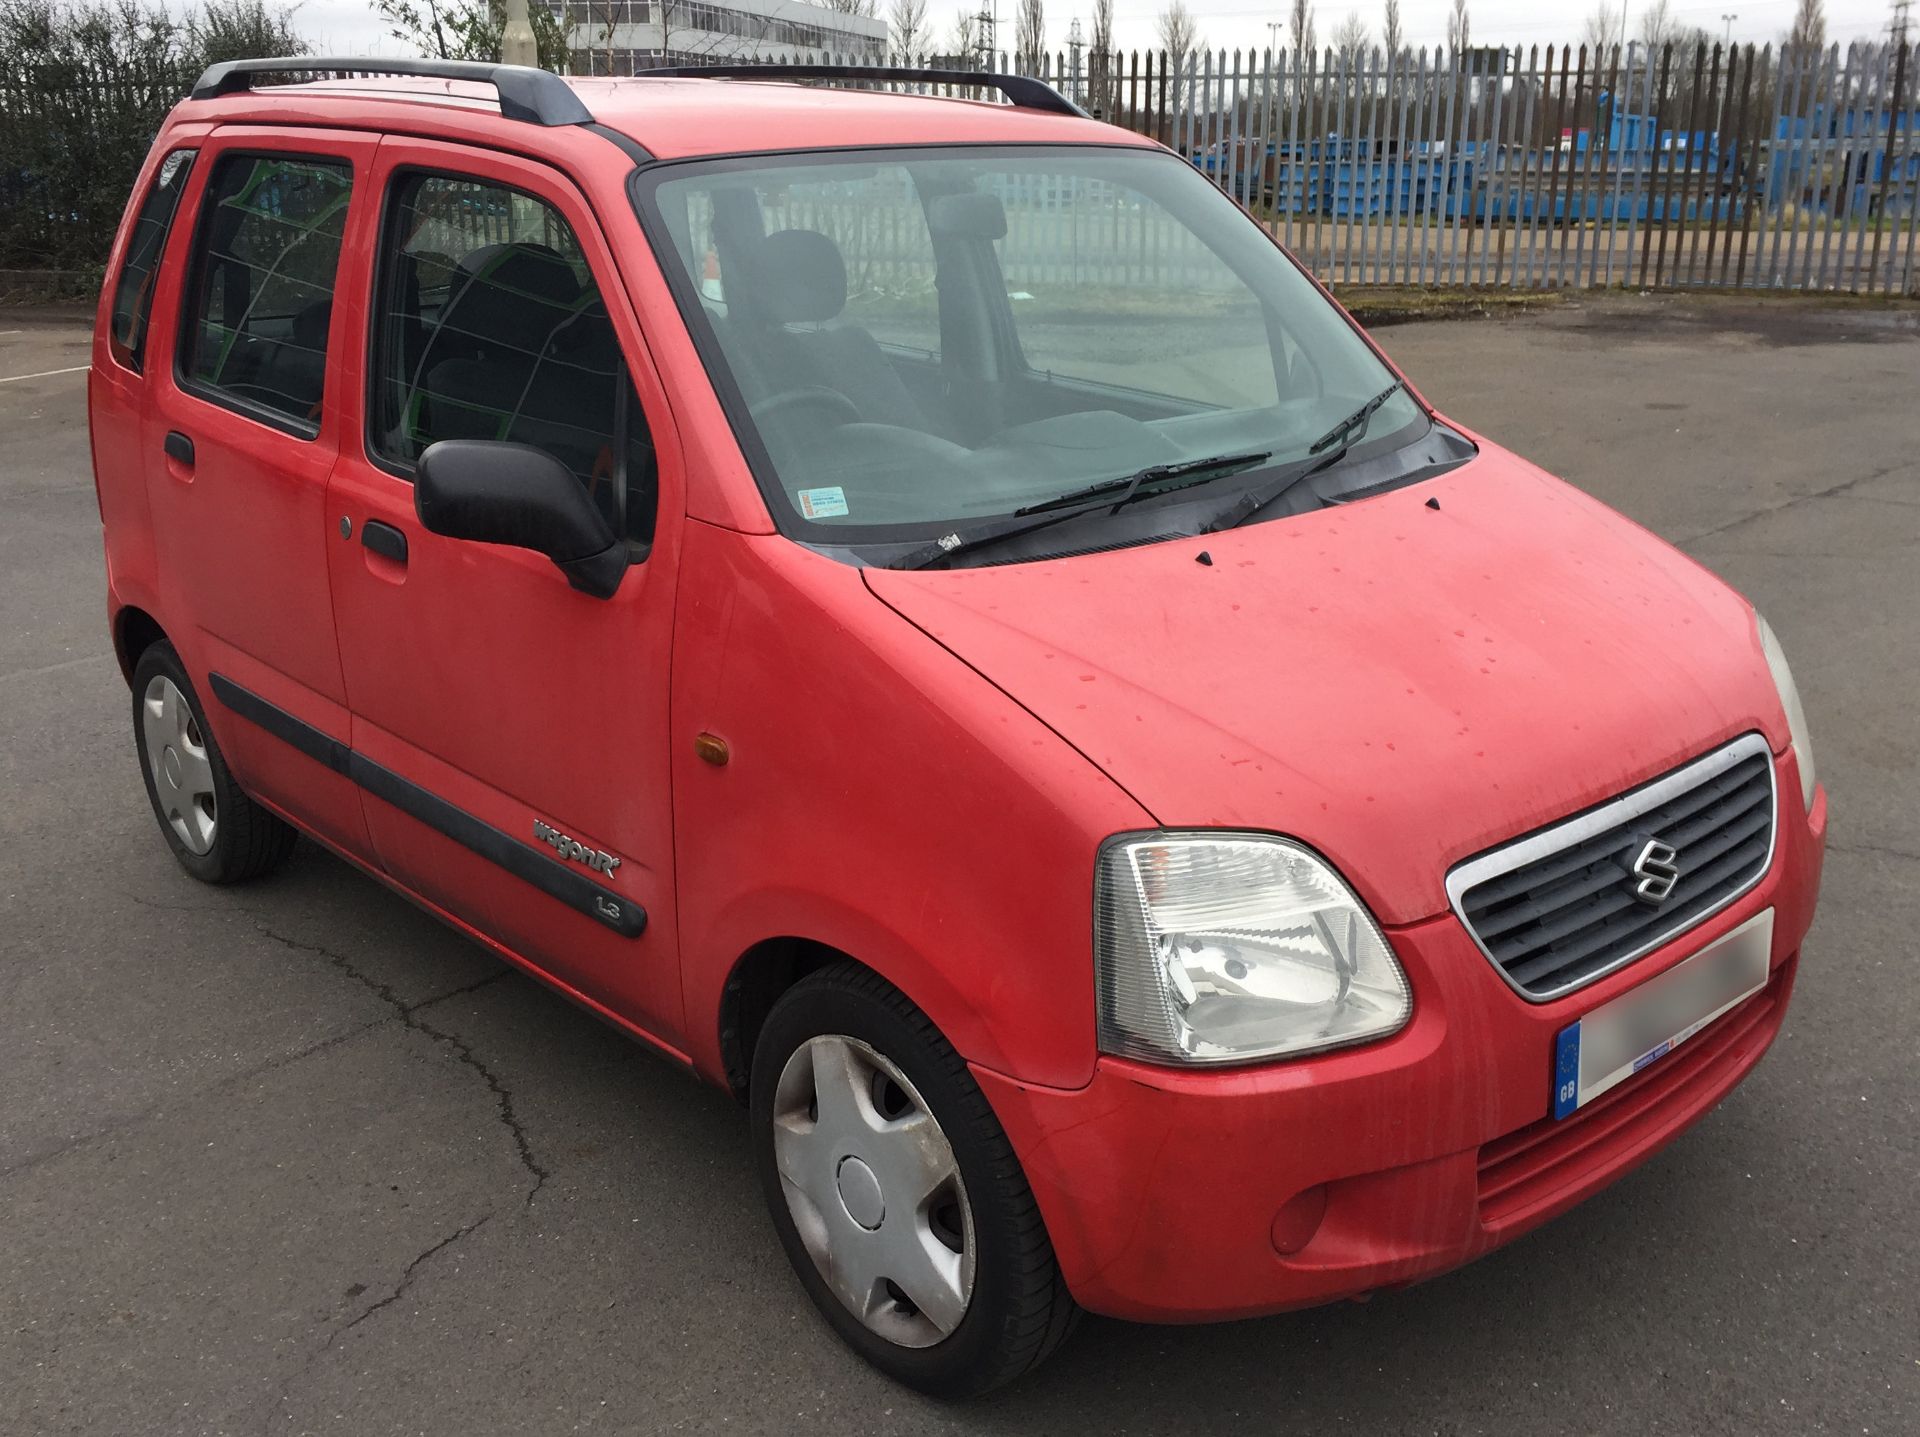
<point>895,1192</point>
<point>218,834</point>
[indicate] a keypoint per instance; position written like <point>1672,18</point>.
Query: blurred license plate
<point>1642,1026</point>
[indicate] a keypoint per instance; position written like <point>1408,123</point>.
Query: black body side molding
<point>530,865</point>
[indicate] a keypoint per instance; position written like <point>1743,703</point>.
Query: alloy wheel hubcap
<point>177,757</point>
<point>874,1189</point>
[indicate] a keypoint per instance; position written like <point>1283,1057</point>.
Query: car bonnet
<point>1401,681</point>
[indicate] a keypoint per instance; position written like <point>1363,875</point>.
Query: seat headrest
<point>800,277</point>
<point>512,293</point>
<point>968,216</point>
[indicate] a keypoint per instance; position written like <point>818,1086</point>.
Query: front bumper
<point>1176,1195</point>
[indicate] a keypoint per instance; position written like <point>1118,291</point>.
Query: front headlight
<point>1227,947</point>
<point>1790,701</point>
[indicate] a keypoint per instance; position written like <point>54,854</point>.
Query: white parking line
<point>44,374</point>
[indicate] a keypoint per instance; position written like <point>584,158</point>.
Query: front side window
<point>266,254</point>
<point>488,325</point>
<point>133,291</point>
<point>914,343</point>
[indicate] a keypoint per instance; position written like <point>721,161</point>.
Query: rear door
<point>241,436</point>
<point>511,730</point>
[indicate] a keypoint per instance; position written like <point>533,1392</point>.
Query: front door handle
<point>178,448</point>
<point>384,540</point>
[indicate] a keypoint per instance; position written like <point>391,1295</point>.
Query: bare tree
<point>1808,34</point>
<point>1658,26</point>
<point>1030,37</point>
<point>1602,28</point>
<point>910,35</point>
<point>1392,38</point>
<point>1100,58</point>
<point>1459,28</point>
<point>1179,38</point>
<point>964,40</point>
<point>866,9</point>
<point>1351,36</point>
<point>1300,28</point>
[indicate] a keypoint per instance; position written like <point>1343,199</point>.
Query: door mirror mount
<point>494,492</point>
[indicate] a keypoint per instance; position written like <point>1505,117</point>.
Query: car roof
<point>679,118</point>
<point>682,117</point>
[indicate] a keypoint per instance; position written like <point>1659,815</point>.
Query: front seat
<point>507,305</point>
<point>797,277</point>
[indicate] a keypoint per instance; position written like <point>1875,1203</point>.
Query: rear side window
<point>488,325</point>
<point>133,291</point>
<point>265,255</point>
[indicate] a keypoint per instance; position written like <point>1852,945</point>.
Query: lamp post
<point>1728,20</point>
<point>517,45</point>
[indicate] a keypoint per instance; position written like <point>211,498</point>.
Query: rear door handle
<point>384,540</point>
<point>178,448</point>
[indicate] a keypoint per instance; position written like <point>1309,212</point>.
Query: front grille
<point>1559,909</point>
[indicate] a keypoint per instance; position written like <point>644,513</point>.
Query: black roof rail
<point>534,96</point>
<point>1022,90</point>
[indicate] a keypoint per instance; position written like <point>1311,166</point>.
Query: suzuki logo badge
<point>1657,869</point>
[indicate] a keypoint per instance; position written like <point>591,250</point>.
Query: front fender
<point>879,797</point>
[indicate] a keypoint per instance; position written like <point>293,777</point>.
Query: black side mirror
<point>493,492</point>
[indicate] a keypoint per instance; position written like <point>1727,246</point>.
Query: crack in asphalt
<point>408,1016</point>
<point>277,1404</point>
<point>406,1280</point>
<point>1834,491</point>
<point>1877,848</point>
<point>279,1060</point>
<point>53,668</point>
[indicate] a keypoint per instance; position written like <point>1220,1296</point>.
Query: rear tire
<point>217,832</point>
<point>889,1178</point>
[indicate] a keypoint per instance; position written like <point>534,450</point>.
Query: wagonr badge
<point>597,859</point>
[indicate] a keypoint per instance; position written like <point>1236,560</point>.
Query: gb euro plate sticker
<point>827,503</point>
<point>1566,1072</point>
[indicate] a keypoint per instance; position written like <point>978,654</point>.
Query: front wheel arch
<point>758,979</point>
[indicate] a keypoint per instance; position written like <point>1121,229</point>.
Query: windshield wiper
<point>1355,423</point>
<point>1345,434</point>
<point>1127,485</point>
<point>1066,506</point>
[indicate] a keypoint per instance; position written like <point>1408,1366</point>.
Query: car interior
<point>970,411</point>
<point>507,339</point>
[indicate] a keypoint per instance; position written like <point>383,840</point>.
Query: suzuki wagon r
<point>915,607</point>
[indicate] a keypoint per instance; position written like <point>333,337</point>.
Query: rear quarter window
<point>133,289</point>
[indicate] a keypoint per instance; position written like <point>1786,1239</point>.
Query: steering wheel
<point>835,406</point>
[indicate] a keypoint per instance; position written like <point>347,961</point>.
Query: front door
<point>237,445</point>
<point>510,731</point>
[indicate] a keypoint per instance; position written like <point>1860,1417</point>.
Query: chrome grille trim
<point>1616,813</point>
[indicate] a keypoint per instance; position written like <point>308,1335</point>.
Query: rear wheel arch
<point>134,632</point>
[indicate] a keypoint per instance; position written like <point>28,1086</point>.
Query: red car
<point>917,609</point>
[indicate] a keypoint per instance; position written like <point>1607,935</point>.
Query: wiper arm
<point>1066,506</point>
<point>1351,428</point>
<point>1345,434</point>
<point>1254,500</point>
<point>1127,485</point>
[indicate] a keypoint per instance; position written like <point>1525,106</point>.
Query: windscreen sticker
<point>829,503</point>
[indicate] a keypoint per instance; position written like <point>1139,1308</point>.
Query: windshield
<point>911,342</point>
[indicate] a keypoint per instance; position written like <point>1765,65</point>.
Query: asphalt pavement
<point>294,1158</point>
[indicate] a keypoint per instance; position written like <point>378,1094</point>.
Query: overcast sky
<point>341,25</point>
